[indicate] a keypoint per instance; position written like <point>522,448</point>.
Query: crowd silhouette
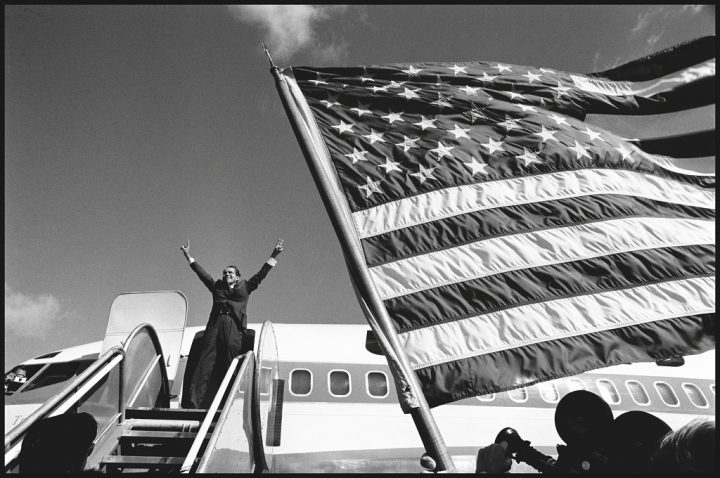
<point>595,442</point>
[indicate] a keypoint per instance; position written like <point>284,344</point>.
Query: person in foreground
<point>227,324</point>
<point>689,449</point>
<point>59,444</point>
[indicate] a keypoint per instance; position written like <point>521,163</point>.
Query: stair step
<point>150,462</point>
<point>168,413</point>
<point>138,436</point>
<point>164,425</point>
<point>177,449</point>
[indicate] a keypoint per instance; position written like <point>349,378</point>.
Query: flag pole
<point>416,404</point>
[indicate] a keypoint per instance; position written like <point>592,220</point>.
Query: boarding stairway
<point>157,440</point>
<point>128,393</point>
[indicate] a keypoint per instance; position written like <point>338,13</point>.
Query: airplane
<point>321,399</point>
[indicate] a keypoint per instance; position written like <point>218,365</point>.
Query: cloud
<point>642,22</point>
<point>27,315</point>
<point>335,52</point>
<point>292,28</point>
<point>653,39</point>
<point>693,9</point>
<point>653,23</point>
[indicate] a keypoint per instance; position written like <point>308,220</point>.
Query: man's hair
<point>690,448</point>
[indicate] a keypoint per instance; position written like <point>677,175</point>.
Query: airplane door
<point>166,311</point>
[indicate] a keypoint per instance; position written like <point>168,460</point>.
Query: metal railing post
<point>121,391</point>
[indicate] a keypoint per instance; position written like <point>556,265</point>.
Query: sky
<point>131,129</point>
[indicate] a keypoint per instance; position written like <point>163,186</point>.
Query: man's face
<point>230,275</point>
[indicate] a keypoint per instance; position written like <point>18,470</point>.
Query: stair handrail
<point>197,443</point>
<point>86,377</point>
<point>158,349</point>
<point>261,462</point>
<point>48,407</point>
<point>248,361</point>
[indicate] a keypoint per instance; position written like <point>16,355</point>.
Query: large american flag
<point>509,240</point>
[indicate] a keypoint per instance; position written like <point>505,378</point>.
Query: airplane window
<point>518,395</point>
<point>377,385</point>
<point>339,383</point>
<point>486,398</point>
<point>608,391</point>
<point>265,381</point>
<point>549,392</point>
<point>56,373</point>
<point>30,370</point>
<point>575,384</point>
<point>300,382</point>
<point>637,392</point>
<point>47,381</point>
<point>667,394</point>
<point>695,395</point>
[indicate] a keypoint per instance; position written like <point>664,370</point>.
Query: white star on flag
<point>528,156</point>
<point>389,166</point>
<point>531,76</point>
<point>408,143</point>
<point>559,119</point>
<point>469,90</point>
<point>361,109</point>
<point>374,137</point>
<point>442,101</point>
<point>580,151</point>
<point>396,84</point>
<point>375,89</point>
<point>546,134</point>
<point>458,69</point>
<point>509,124</point>
<point>546,70</point>
<point>526,108</point>
<point>475,114</point>
<point>329,104</point>
<point>343,127</point>
<point>592,134</point>
<point>514,96</point>
<point>412,71</point>
<point>370,187</point>
<point>318,81</point>
<point>392,117</point>
<point>502,67</point>
<point>424,174</point>
<point>460,132</point>
<point>357,155</point>
<point>624,152</point>
<point>409,93</point>
<point>476,166</point>
<point>487,77</point>
<point>442,151</point>
<point>426,123</point>
<point>493,145</point>
<point>561,90</point>
<point>366,77</point>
